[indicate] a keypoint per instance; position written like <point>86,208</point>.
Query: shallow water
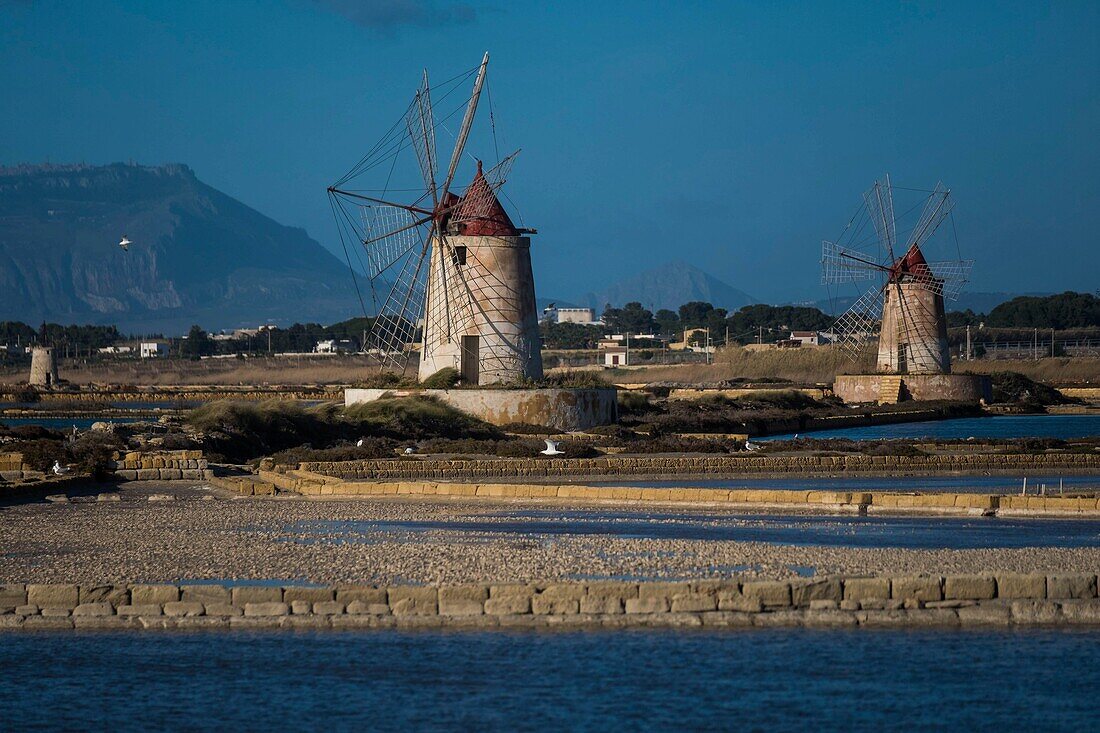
<point>998,426</point>
<point>66,423</point>
<point>953,533</point>
<point>773,680</point>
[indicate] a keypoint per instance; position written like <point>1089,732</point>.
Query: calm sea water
<point>67,423</point>
<point>766,680</point>
<point>999,426</point>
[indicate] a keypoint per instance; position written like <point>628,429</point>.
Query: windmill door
<point>903,359</point>
<point>469,365</point>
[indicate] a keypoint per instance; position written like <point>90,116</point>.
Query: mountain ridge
<point>669,286</point>
<point>198,255</point>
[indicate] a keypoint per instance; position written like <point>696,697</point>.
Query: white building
<point>335,346</point>
<point>116,350</point>
<point>153,349</point>
<point>808,338</point>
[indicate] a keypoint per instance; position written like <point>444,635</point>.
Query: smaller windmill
<point>905,303</point>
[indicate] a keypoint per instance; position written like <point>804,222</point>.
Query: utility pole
<point>1035,346</point>
<point>760,335</point>
<point>1052,343</point>
<point>968,351</point>
<point>708,345</point>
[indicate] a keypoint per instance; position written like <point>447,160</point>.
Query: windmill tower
<point>908,290</point>
<point>904,305</point>
<point>448,271</point>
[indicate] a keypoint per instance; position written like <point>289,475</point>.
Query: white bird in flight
<point>552,449</point>
<point>125,243</point>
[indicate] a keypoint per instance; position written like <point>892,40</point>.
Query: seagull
<point>359,444</point>
<point>58,469</point>
<point>751,446</point>
<point>552,449</point>
<point>409,451</point>
<point>125,243</point>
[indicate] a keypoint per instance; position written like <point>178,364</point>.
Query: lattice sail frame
<point>399,239</point>
<point>862,321</point>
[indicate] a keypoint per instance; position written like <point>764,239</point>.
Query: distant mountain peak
<point>670,285</point>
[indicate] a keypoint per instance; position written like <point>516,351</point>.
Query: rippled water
<point>768,680</point>
<point>999,426</point>
<point>1007,484</point>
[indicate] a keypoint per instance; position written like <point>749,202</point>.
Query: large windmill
<point>448,270</point>
<point>905,303</point>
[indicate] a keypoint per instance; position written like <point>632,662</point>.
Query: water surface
<point>998,426</point>
<point>766,680</point>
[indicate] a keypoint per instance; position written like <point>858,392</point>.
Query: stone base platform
<point>562,409</point>
<point>995,599</point>
<point>883,388</point>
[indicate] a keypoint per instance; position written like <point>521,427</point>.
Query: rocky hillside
<point>198,255</point>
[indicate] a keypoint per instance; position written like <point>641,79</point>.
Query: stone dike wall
<point>309,483</point>
<point>185,394</point>
<point>691,465</point>
<point>12,468</point>
<point>160,466</point>
<point>946,601</point>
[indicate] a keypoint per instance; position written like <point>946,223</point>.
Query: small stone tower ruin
<point>44,367</point>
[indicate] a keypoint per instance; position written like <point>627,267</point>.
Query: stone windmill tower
<point>905,304</point>
<point>449,271</point>
<point>908,292</point>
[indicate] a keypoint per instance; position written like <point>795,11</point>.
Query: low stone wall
<point>856,388</point>
<point>12,468</point>
<point>562,409</point>
<point>732,393</point>
<point>186,394</point>
<point>160,466</point>
<point>955,600</point>
<point>699,466</point>
<point>1083,504</point>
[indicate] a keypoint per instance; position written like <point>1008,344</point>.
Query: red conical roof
<point>912,263</point>
<point>479,213</point>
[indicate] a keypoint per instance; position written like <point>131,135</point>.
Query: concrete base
<point>561,409</point>
<point>918,387</point>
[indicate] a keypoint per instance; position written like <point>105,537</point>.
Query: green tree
<point>197,343</point>
<point>695,314</point>
<point>668,323</point>
<point>631,318</point>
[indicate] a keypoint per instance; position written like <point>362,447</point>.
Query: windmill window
<point>460,255</point>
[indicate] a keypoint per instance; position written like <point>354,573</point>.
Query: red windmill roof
<point>912,263</point>
<point>479,212</point>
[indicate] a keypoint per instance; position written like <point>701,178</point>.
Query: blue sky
<point>731,135</point>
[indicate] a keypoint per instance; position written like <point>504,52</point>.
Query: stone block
<point>1071,585</point>
<point>363,608</point>
<point>94,609</point>
<point>1081,612</point>
<point>116,595</point>
<point>601,604</point>
<point>141,595</point>
<point>824,604</point>
<point>148,474</point>
<point>651,604</point>
<point>1012,586</point>
<point>301,608</point>
<point>203,593</point>
<point>917,588</point>
<point>662,590</point>
<point>462,600</point>
<point>13,595</point>
<point>563,591</point>
<point>140,610</point>
<point>740,603</point>
<point>508,604</point>
<point>544,606</point>
<point>1035,611</point>
<point>222,609</point>
<point>850,605</point>
<point>985,614</point>
<point>40,623</point>
<point>612,589</point>
<point>804,593</point>
<point>969,587</point>
<point>184,608</point>
<point>27,609</point>
<point>313,595</point>
<point>364,593</point>
<point>256,594</point>
<point>413,600</point>
<point>328,608</point>
<point>266,608</point>
<point>771,593</point>
<point>694,603</point>
<point>53,595</point>
<point>56,612</point>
